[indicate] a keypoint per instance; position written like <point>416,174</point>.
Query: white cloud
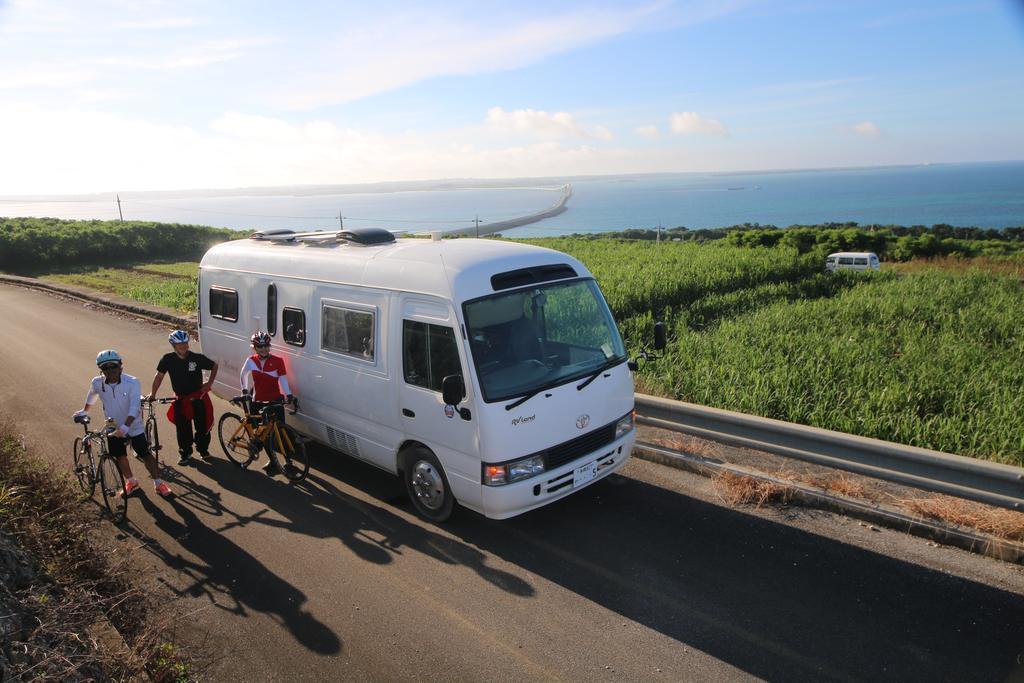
<point>188,56</point>
<point>155,23</point>
<point>649,132</point>
<point>692,123</point>
<point>867,129</point>
<point>45,75</point>
<point>68,150</point>
<point>542,124</point>
<point>406,49</point>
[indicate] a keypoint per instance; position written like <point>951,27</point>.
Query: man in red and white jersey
<point>264,375</point>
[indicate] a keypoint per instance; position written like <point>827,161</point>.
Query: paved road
<point>642,577</point>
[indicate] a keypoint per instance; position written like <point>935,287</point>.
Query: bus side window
<point>294,322</point>
<point>429,354</point>
<point>272,310</point>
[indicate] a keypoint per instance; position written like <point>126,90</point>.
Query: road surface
<point>645,576</point>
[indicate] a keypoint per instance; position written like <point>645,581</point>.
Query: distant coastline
<point>963,195</point>
<point>492,228</point>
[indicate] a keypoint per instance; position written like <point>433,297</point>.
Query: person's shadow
<point>226,569</point>
<point>317,508</point>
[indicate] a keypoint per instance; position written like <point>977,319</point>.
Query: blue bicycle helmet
<point>108,356</point>
<point>178,337</point>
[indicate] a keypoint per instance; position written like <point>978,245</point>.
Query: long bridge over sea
<point>492,228</point>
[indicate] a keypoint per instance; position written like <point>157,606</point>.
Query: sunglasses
<point>261,346</point>
<point>106,367</point>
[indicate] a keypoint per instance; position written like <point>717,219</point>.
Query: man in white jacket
<point>121,394</point>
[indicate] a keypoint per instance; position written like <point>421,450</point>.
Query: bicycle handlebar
<point>245,400</point>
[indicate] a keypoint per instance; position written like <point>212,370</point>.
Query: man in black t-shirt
<point>193,407</point>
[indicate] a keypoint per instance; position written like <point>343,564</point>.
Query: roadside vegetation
<point>894,243</point>
<point>172,285</point>
<point>61,591</point>
<point>36,245</point>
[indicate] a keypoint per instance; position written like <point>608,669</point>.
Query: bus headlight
<point>625,425</point>
<point>499,475</point>
<point>525,468</point>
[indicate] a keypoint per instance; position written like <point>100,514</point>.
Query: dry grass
<point>734,489</point>
<point>689,444</point>
<point>841,485</point>
<point>76,583</point>
<point>1009,265</point>
<point>738,489</point>
<point>1004,524</point>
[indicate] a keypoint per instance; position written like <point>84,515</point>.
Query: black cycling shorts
<point>119,446</point>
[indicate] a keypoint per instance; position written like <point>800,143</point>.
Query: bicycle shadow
<point>316,508</point>
<point>223,569</point>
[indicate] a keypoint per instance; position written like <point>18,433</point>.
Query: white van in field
<point>851,260</point>
<point>482,372</point>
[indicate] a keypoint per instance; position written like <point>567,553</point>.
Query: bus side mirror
<point>659,336</point>
<point>452,390</point>
<point>659,344</point>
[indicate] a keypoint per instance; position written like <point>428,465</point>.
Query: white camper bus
<point>481,372</point>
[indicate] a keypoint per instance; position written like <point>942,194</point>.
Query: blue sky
<point>148,95</point>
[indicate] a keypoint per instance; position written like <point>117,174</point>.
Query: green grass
<point>931,360</point>
<point>180,269</point>
<point>178,293</point>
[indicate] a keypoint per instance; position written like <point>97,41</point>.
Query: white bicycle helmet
<point>178,337</point>
<point>108,356</point>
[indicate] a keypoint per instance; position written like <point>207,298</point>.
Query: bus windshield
<point>530,339</point>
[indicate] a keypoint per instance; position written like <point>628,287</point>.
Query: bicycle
<point>102,469</point>
<point>243,438</point>
<point>152,433</point>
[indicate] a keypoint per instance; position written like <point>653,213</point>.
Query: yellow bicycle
<point>243,437</point>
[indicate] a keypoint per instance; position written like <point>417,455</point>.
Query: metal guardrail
<point>955,475</point>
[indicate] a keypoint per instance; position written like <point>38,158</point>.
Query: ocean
<point>989,195</point>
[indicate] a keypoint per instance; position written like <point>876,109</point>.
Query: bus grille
<point>567,451</point>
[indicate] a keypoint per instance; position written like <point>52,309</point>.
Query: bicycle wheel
<point>153,438</point>
<point>112,485</point>
<point>234,440</point>
<point>294,462</point>
<point>85,466</point>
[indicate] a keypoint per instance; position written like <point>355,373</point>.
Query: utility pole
<point>477,222</point>
<point>341,221</point>
<point>121,215</point>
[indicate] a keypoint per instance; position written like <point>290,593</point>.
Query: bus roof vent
<point>278,234</point>
<point>530,276</point>
<point>367,236</point>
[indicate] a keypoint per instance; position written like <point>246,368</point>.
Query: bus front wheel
<point>427,485</point>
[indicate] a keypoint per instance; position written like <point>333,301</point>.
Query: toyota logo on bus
<point>582,421</point>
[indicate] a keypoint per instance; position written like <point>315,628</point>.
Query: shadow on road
<point>236,581</point>
<point>315,507</point>
<point>770,599</point>
<point>225,570</point>
<point>775,601</point>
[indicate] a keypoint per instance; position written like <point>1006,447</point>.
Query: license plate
<point>581,475</point>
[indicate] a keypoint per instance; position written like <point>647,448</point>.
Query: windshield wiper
<point>524,398</point>
<point>611,362</point>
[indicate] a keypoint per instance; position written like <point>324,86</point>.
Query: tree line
<point>890,242</point>
<point>32,245</point>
